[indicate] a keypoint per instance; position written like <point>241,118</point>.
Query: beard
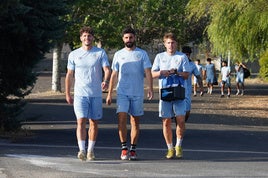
<point>129,44</point>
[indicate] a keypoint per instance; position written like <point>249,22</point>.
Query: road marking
<point>115,168</point>
<point>119,168</point>
<point>140,148</point>
<point>44,125</point>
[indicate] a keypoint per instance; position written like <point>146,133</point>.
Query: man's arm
<point>111,87</point>
<point>184,75</point>
<point>107,73</point>
<point>149,78</point>
<point>68,84</point>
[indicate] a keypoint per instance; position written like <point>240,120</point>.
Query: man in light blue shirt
<point>128,68</point>
<point>196,81</point>
<point>193,71</point>
<point>210,74</point>
<point>239,68</point>
<point>86,64</point>
<point>165,64</point>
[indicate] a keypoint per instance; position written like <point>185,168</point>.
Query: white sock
<point>91,145</point>
<point>82,145</point>
<point>170,146</point>
<point>179,142</point>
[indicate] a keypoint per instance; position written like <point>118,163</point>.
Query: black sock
<point>124,145</point>
<point>133,147</point>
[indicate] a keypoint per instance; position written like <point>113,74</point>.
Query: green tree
<point>28,29</point>
<point>264,65</point>
<point>238,26</point>
<point>151,19</point>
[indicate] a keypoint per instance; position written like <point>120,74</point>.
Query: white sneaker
<point>237,93</point>
<point>82,155</point>
<point>90,156</point>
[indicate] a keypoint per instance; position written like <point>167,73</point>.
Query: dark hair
<point>208,59</point>
<point>186,49</point>
<point>128,30</point>
<point>86,29</point>
<point>225,62</point>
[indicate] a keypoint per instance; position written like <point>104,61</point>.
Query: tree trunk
<point>56,69</point>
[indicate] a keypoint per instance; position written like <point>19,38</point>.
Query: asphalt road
<point>215,145</point>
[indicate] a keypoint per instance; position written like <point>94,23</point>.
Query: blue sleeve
<point>156,66</point>
<point>105,61</point>
<point>71,64</point>
<point>146,63</point>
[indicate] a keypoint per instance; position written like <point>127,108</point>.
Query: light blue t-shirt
<point>199,68</point>
<point>210,71</point>
<point>164,61</point>
<point>130,66</point>
<point>193,71</point>
<point>239,72</point>
<point>87,66</point>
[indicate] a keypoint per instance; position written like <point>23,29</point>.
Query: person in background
<point>225,79</point>
<point>193,71</point>
<point>85,64</point>
<point>165,64</point>
<point>128,68</point>
<point>210,74</point>
<point>240,77</point>
<point>200,69</point>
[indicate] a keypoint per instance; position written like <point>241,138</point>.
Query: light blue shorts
<point>169,109</point>
<point>240,78</point>
<point>132,105</point>
<point>210,79</point>
<point>88,107</point>
<point>188,102</point>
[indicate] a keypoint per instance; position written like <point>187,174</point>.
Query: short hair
<point>208,59</point>
<point>86,29</point>
<point>198,60</point>
<point>128,30</point>
<point>225,62</point>
<point>186,49</point>
<point>170,36</point>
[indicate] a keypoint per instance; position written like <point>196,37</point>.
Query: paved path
<point>218,141</point>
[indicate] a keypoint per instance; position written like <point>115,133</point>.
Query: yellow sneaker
<point>82,155</point>
<point>178,150</point>
<point>90,156</point>
<point>170,153</point>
